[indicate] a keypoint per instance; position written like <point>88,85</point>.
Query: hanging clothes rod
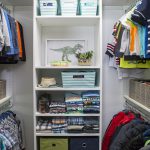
<point>5,104</point>
<point>4,7</point>
<point>137,107</point>
<point>132,5</point>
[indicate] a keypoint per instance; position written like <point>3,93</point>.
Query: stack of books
<point>48,7</point>
<point>69,7</point>
<point>88,7</point>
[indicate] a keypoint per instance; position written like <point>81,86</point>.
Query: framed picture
<point>58,50</point>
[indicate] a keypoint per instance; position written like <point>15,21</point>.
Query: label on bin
<point>78,76</point>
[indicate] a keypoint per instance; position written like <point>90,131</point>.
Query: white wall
<point>112,86</point>
<point>22,77</point>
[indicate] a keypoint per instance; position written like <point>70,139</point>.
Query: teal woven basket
<point>78,79</point>
<point>48,7</point>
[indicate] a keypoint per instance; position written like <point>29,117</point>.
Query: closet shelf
<point>4,100</point>
<point>67,20</point>
<point>70,67</point>
<point>67,89</point>
<point>67,134</point>
<point>66,115</point>
<point>137,104</point>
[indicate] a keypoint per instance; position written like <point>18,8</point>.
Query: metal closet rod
<point>4,7</point>
<point>137,109</point>
<point>132,5</point>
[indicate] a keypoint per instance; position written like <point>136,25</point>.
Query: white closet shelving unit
<point>87,28</point>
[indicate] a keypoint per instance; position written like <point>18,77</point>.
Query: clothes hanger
<point>4,7</point>
<point>132,5</point>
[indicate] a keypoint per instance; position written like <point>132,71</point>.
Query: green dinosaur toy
<point>68,51</point>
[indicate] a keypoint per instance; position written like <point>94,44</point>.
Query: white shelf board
<point>67,134</point>
<point>69,67</point>
<point>67,89</point>
<point>4,100</point>
<point>64,115</point>
<point>135,103</point>
<point>67,20</point>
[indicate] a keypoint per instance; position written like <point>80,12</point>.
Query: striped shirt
<point>141,15</point>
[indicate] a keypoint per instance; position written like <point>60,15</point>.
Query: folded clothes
<point>57,110</point>
<point>76,108</point>
<point>69,125</point>
<point>74,102</point>
<point>75,121</point>
<point>91,110</point>
<point>91,103</point>
<point>57,104</point>
<point>44,126</point>
<point>60,126</point>
<point>73,97</point>
<point>59,130</point>
<point>59,120</point>
<point>75,127</point>
<point>57,107</point>
<point>90,106</point>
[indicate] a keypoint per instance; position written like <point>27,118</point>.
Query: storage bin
<point>2,89</point>
<point>137,91</point>
<point>91,143</point>
<point>53,144</point>
<point>132,88</point>
<point>78,79</point>
<point>142,93</point>
<point>88,7</point>
<point>48,7</point>
<point>147,94</point>
<point>69,7</point>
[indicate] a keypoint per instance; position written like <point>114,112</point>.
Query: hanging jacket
<point>130,136</point>
<point>146,148</point>
<point>6,33</point>
<point>21,45</point>
<point>14,45</point>
<point>118,120</point>
<point>124,128</point>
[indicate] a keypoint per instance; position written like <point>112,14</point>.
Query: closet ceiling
<point>30,2</point>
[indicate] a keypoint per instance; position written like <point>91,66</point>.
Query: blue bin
<point>81,79</point>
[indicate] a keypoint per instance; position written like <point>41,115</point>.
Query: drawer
<point>53,144</point>
<point>84,143</point>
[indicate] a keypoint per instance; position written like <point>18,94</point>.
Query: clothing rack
<point>5,104</point>
<point>131,5</point>
<point>136,107</point>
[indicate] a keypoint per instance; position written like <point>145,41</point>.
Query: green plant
<point>86,55</point>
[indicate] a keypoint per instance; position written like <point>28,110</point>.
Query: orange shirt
<point>19,40</point>
<point>133,31</point>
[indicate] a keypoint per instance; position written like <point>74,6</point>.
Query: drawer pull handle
<point>53,145</point>
<point>84,145</point>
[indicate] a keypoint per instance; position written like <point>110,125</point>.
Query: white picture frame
<point>53,50</point>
